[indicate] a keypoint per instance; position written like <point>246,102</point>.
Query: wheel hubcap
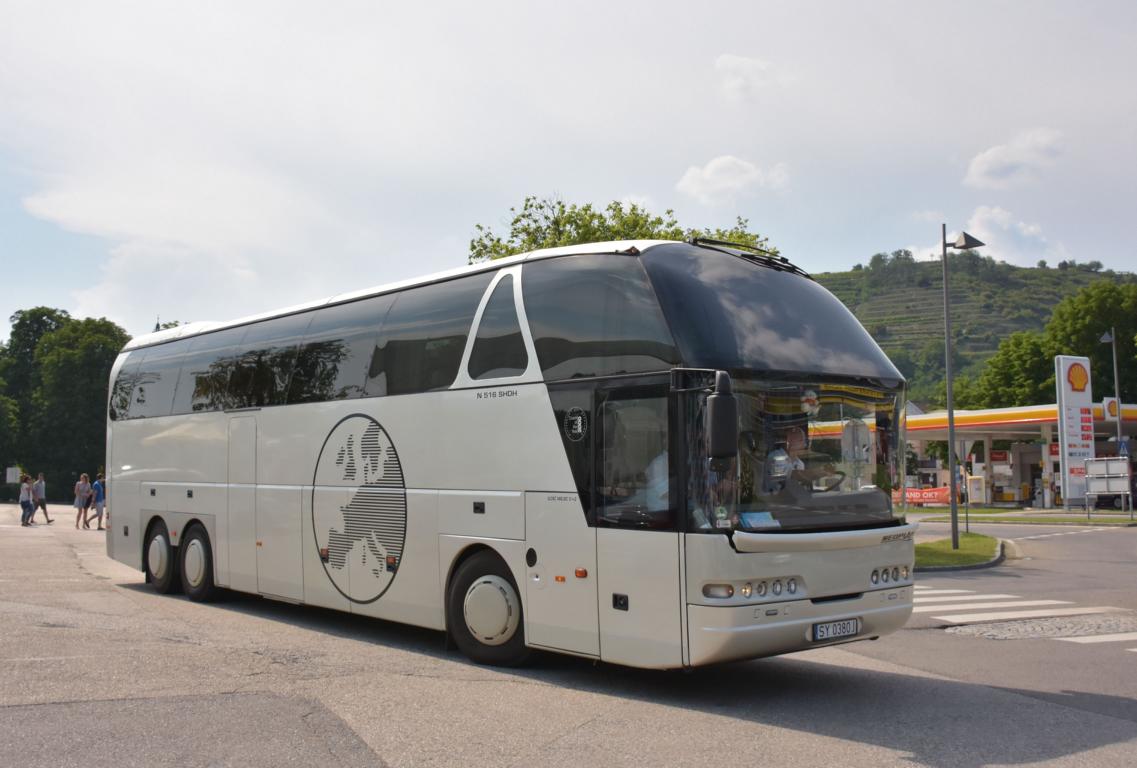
<point>492,610</point>
<point>194,563</point>
<point>156,556</point>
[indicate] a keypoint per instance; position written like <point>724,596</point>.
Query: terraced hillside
<point>900,302</point>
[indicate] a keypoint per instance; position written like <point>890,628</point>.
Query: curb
<point>976,521</point>
<point>999,557</point>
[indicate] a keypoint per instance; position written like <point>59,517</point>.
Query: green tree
<point>1020,373</point>
<point>69,405</point>
<point>1078,323</point>
<point>549,223</point>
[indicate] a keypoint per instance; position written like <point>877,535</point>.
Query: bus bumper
<point>767,629</point>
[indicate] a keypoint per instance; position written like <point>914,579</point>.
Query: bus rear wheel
<point>195,561</point>
<point>483,611</point>
<point>161,565</point>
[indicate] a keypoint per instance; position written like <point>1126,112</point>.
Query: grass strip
<point>1063,519</point>
<point>974,548</point>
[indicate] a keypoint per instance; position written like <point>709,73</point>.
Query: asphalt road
<point>98,670</point>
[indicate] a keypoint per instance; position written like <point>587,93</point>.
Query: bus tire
<point>483,612</point>
<point>161,559</point>
<point>195,565</point>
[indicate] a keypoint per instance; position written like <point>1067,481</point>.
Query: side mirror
<point>722,420</point>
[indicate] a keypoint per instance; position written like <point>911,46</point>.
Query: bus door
<point>242,503</point>
<point>637,538</point>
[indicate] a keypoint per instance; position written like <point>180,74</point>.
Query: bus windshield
<point>812,455</point>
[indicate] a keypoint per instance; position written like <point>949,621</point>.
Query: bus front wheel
<point>484,612</point>
<point>196,565</point>
<point>161,565</point>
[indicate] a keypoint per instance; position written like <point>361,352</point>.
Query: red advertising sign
<point>940,495</point>
<point>999,457</point>
<point>1054,450</point>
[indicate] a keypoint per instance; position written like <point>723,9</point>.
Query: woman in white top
<point>26,508</point>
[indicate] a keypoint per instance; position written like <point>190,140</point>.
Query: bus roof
<point>204,326</point>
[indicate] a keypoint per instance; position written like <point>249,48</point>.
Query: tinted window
<point>731,313</point>
<point>635,479</point>
<point>265,359</point>
<point>124,386</point>
<point>424,336</point>
<point>157,379</point>
<point>332,361</point>
<point>499,349</point>
<point>595,315</point>
<point>203,384</point>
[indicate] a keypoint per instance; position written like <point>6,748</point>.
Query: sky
<point>210,160</point>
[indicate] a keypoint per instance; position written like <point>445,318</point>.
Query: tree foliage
<point>550,223</point>
<point>54,376</point>
<point>1022,371</point>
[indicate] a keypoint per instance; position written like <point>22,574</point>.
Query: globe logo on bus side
<point>359,509</point>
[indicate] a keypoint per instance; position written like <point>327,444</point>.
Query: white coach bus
<point>652,453</point>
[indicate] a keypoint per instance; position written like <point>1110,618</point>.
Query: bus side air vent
<point>837,598</point>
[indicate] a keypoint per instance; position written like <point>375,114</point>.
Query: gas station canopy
<point>1026,423</point>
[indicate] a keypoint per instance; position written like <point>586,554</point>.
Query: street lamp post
<point>964,242</point>
<point>1110,337</point>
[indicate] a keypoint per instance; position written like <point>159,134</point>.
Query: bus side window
<point>635,488</point>
<point>332,362</point>
<point>499,350</point>
<point>265,360</point>
<point>124,386</point>
<point>595,315</point>
<point>421,345</point>
<point>203,380</point>
<point>157,379</point>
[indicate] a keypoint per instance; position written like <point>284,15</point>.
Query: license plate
<point>834,629</point>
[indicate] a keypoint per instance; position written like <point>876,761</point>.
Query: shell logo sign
<point>1111,408</point>
<point>1078,377</point>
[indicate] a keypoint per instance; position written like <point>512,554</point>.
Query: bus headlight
<point>791,586</point>
<point>761,589</point>
<point>876,577</point>
<point>777,588</point>
<point>895,573</point>
<point>747,589</point>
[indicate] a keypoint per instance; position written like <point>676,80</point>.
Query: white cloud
<point>928,216</point>
<point>726,177</point>
<point>1011,239</point>
<point>744,78</point>
<point>1016,162</point>
<point>1006,237</point>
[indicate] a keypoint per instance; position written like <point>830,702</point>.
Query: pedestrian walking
<point>99,494</point>
<point>26,507</point>
<point>82,497</point>
<point>39,498</point>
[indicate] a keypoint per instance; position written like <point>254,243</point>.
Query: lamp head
<point>966,242</point>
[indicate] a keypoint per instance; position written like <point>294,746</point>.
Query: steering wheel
<point>834,485</point>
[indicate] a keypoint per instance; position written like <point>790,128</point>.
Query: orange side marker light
<point>582,573</point>
<point>560,579</point>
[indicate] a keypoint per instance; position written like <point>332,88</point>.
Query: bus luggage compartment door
<point>560,574</point>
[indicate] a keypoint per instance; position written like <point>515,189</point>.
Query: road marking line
<point>971,618</point>
<point>1120,637</point>
<point>981,606</point>
<point>954,598</point>
<point>946,592</point>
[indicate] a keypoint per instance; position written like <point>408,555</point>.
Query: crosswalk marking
<point>922,592</point>
<point>984,606</point>
<point>920,599</point>
<point>1120,637</point>
<point>971,618</point>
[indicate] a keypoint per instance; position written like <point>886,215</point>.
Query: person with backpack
<point>99,497</point>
